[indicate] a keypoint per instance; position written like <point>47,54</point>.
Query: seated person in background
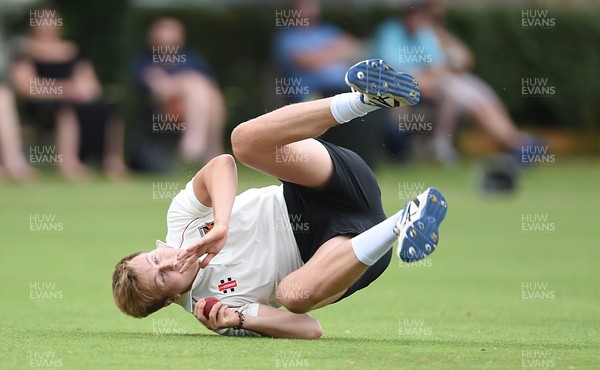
<point>58,84</point>
<point>12,162</point>
<point>412,43</point>
<point>312,58</point>
<point>459,57</point>
<point>182,85</point>
<point>316,53</point>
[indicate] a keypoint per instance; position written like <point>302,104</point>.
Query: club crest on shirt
<point>228,285</point>
<point>204,229</point>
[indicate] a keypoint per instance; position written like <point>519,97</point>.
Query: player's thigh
<point>306,162</point>
<point>323,263</point>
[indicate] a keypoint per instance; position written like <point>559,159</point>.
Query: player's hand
<point>220,317</point>
<point>211,244</point>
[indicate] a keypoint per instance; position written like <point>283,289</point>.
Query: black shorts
<point>348,205</point>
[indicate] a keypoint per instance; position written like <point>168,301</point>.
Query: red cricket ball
<point>210,302</point>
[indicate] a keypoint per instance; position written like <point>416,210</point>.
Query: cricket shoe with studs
<point>418,228</point>
<point>381,86</point>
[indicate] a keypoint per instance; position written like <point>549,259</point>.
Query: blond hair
<point>131,294</point>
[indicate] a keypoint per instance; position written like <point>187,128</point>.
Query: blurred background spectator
<point>12,162</point>
<point>417,43</point>
<point>312,59</point>
<point>315,53</point>
<point>61,90</point>
<point>178,95</point>
<point>506,40</point>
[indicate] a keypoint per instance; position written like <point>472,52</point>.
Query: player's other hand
<point>211,244</point>
<point>220,317</point>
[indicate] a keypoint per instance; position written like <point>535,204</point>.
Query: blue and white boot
<point>381,86</point>
<point>418,228</point>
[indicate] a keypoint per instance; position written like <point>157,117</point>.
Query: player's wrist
<point>221,222</point>
<point>242,318</point>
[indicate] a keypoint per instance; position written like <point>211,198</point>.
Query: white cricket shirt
<point>259,252</point>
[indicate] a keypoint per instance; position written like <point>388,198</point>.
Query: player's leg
<point>341,261</point>
<point>280,143</point>
<point>302,292</point>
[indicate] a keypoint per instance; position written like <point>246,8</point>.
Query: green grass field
<point>515,282</point>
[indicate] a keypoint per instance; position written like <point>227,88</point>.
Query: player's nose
<point>176,264</point>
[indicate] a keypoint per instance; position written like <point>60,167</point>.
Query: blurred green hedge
<point>237,43</point>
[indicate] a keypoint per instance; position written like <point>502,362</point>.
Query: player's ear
<point>172,299</point>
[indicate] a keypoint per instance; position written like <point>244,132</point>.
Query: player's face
<point>160,270</point>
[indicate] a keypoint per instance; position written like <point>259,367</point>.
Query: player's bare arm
<point>215,185</point>
<point>270,322</point>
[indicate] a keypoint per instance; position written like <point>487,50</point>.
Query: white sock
<point>372,244</point>
<point>348,106</point>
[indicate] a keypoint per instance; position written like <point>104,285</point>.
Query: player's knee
<point>241,144</point>
<point>237,142</point>
<point>295,301</point>
<point>296,306</point>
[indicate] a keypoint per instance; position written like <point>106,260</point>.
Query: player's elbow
<point>311,329</point>
<point>315,331</point>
